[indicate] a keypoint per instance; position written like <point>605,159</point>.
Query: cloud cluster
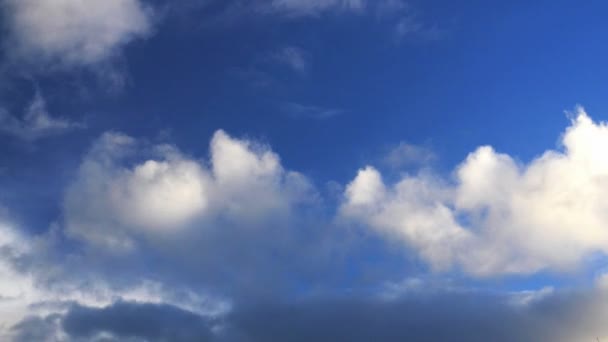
<point>498,216</point>
<point>239,215</point>
<point>73,32</point>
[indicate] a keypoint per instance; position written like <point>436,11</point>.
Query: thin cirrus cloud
<point>73,32</point>
<point>298,8</point>
<point>295,58</point>
<point>409,155</point>
<point>406,20</point>
<point>36,122</point>
<point>296,110</point>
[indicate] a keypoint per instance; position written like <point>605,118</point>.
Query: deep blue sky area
<point>216,163</point>
<point>493,69</point>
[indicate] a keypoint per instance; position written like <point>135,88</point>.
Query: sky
<point>303,170</point>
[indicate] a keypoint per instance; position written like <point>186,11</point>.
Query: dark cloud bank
<point>465,316</point>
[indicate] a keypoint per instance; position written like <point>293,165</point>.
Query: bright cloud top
<point>74,32</point>
<point>498,216</point>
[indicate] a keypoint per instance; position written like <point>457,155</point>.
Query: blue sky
<point>206,170</point>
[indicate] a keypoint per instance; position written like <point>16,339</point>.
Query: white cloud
<point>170,192</point>
<point>74,32</point>
<point>498,216</point>
<point>36,123</point>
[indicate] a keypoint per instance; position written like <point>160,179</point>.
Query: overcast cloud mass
<point>287,170</point>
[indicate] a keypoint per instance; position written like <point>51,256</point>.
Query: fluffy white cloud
<point>36,123</point>
<point>498,216</point>
<point>170,192</point>
<point>73,32</point>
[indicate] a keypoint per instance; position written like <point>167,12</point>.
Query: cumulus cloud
<point>171,192</point>
<point>73,32</point>
<point>498,216</point>
<point>36,122</point>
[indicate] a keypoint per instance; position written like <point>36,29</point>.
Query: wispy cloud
<point>36,122</point>
<point>302,111</point>
<point>405,155</point>
<point>407,20</point>
<point>299,8</point>
<point>293,57</point>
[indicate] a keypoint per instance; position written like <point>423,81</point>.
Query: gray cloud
<point>147,322</point>
<point>424,316</point>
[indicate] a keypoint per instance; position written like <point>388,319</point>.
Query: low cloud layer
<point>423,316</point>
